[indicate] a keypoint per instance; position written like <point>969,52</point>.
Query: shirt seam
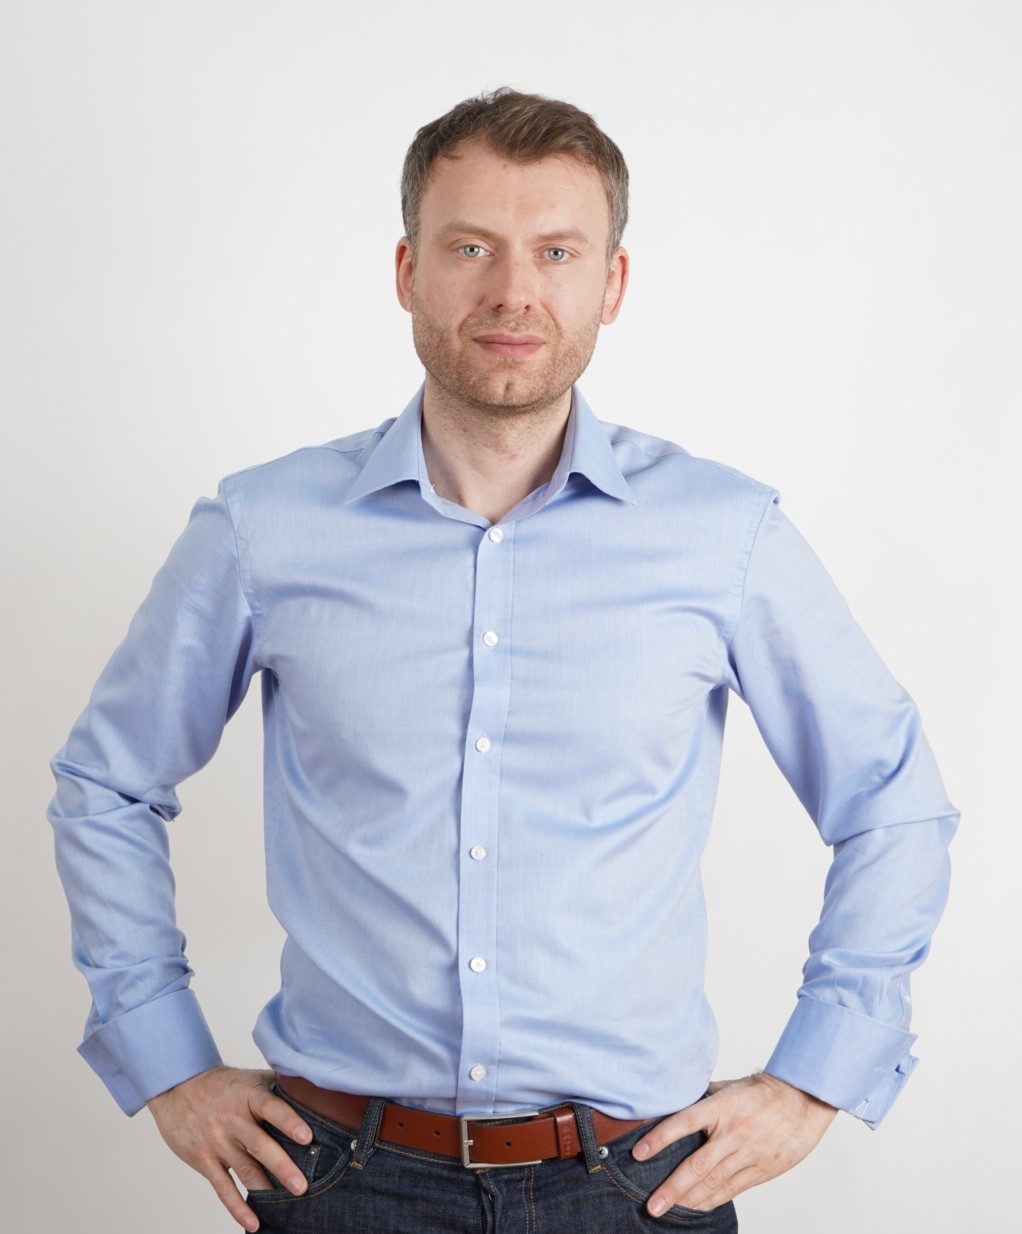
<point>245,588</point>
<point>334,447</point>
<point>771,498</point>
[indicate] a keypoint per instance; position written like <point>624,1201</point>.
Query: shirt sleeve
<point>156,715</point>
<point>849,741</point>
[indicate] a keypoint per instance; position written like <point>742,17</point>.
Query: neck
<point>488,460</point>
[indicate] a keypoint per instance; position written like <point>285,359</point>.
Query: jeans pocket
<point>322,1161</point>
<point>639,1179</point>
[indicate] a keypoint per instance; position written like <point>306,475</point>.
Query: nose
<point>512,283</point>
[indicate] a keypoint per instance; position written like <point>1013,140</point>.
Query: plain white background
<point>198,212</point>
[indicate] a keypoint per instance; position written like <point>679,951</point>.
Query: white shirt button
<point>491,638</point>
<point>495,534</point>
<point>477,1073</point>
<point>477,964</point>
<point>477,852</point>
<point>483,744</point>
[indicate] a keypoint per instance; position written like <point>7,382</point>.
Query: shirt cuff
<point>150,1049</point>
<point>844,1058</point>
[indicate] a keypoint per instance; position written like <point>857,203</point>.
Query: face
<point>510,282</point>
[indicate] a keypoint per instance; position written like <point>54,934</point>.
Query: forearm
<point>848,1040</point>
<point>145,1031</point>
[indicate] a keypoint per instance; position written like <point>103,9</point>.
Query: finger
<point>264,1150</point>
<point>698,1117</point>
<point>251,1175</point>
<point>268,1107</point>
<point>703,1181</point>
<point>230,1197</point>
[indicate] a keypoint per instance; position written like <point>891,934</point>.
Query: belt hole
<point>507,1143</point>
<point>401,1125</point>
<point>437,1134</point>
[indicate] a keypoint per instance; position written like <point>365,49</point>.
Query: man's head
<point>514,206</point>
<point>523,128</point>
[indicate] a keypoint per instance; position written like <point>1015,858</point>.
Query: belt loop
<point>586,1133</point>
<point>368,1133</point>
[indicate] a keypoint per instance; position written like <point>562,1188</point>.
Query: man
<point>496,638</point>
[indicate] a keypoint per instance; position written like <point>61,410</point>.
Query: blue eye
<point>557,254</point>
<point>471,250</point>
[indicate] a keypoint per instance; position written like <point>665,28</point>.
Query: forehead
<point>475,180</point>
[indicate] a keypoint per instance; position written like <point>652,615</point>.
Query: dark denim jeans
<point>374,1188</point>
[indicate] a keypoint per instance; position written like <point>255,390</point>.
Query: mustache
<point>490,323</point>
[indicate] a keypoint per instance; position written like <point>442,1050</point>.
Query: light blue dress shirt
<point>491,759</point>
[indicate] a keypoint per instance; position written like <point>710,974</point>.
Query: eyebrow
<point>464,227</point>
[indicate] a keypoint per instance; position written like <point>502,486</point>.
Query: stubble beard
<point>497,385</point>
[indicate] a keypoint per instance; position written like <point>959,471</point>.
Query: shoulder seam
<point>771,496</point>
<point>245,590</point>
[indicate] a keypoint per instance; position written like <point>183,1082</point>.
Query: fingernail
<point>657,1207</point>
<point>640,1152</point>
<point>251,1224</point>
<point>296,1184</point>
<point>302,1136</point>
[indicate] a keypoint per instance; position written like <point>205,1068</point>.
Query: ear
<point>617,281</point>
<point>404,264</point>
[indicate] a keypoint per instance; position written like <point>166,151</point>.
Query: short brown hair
<point>524,128</point>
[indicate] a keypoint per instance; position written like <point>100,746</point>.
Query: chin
<point>517,401</point>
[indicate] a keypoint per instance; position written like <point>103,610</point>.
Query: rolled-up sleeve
<point>849,740</point>
<point>156,716</point>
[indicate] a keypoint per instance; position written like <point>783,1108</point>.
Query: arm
<point>157,715</point>
<point>849,741</point>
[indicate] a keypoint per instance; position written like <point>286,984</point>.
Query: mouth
<point>511,346</point>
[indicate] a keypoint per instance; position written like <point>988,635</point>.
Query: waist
<point>476,1141</point>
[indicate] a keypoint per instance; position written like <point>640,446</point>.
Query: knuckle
<point>249,1173</point>
<point>261,1097</point>
<point>714,1180</point>
<point>208,1165</point>
<point>259,1144</point>
<point>699,1166</point>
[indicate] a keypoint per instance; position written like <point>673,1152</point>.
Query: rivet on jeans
<point>354,1145</point>
<point>603,1151</point>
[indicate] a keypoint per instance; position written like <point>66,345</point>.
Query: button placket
<point>478,965</point>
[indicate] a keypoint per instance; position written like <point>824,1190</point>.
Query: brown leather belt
<point>478,1143</point>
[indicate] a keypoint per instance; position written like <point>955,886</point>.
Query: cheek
<point>434,306</point>
<point>451,304</point>
<point>577,307</point>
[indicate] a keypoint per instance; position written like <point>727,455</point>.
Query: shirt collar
<point>591,454</point>
<point>396,456</point>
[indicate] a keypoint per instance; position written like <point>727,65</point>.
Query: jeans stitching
<point>328,1183</point>
<point>532,1198</point>
<point>675,1215</point>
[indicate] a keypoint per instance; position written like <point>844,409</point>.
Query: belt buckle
<point>466,1143</point>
